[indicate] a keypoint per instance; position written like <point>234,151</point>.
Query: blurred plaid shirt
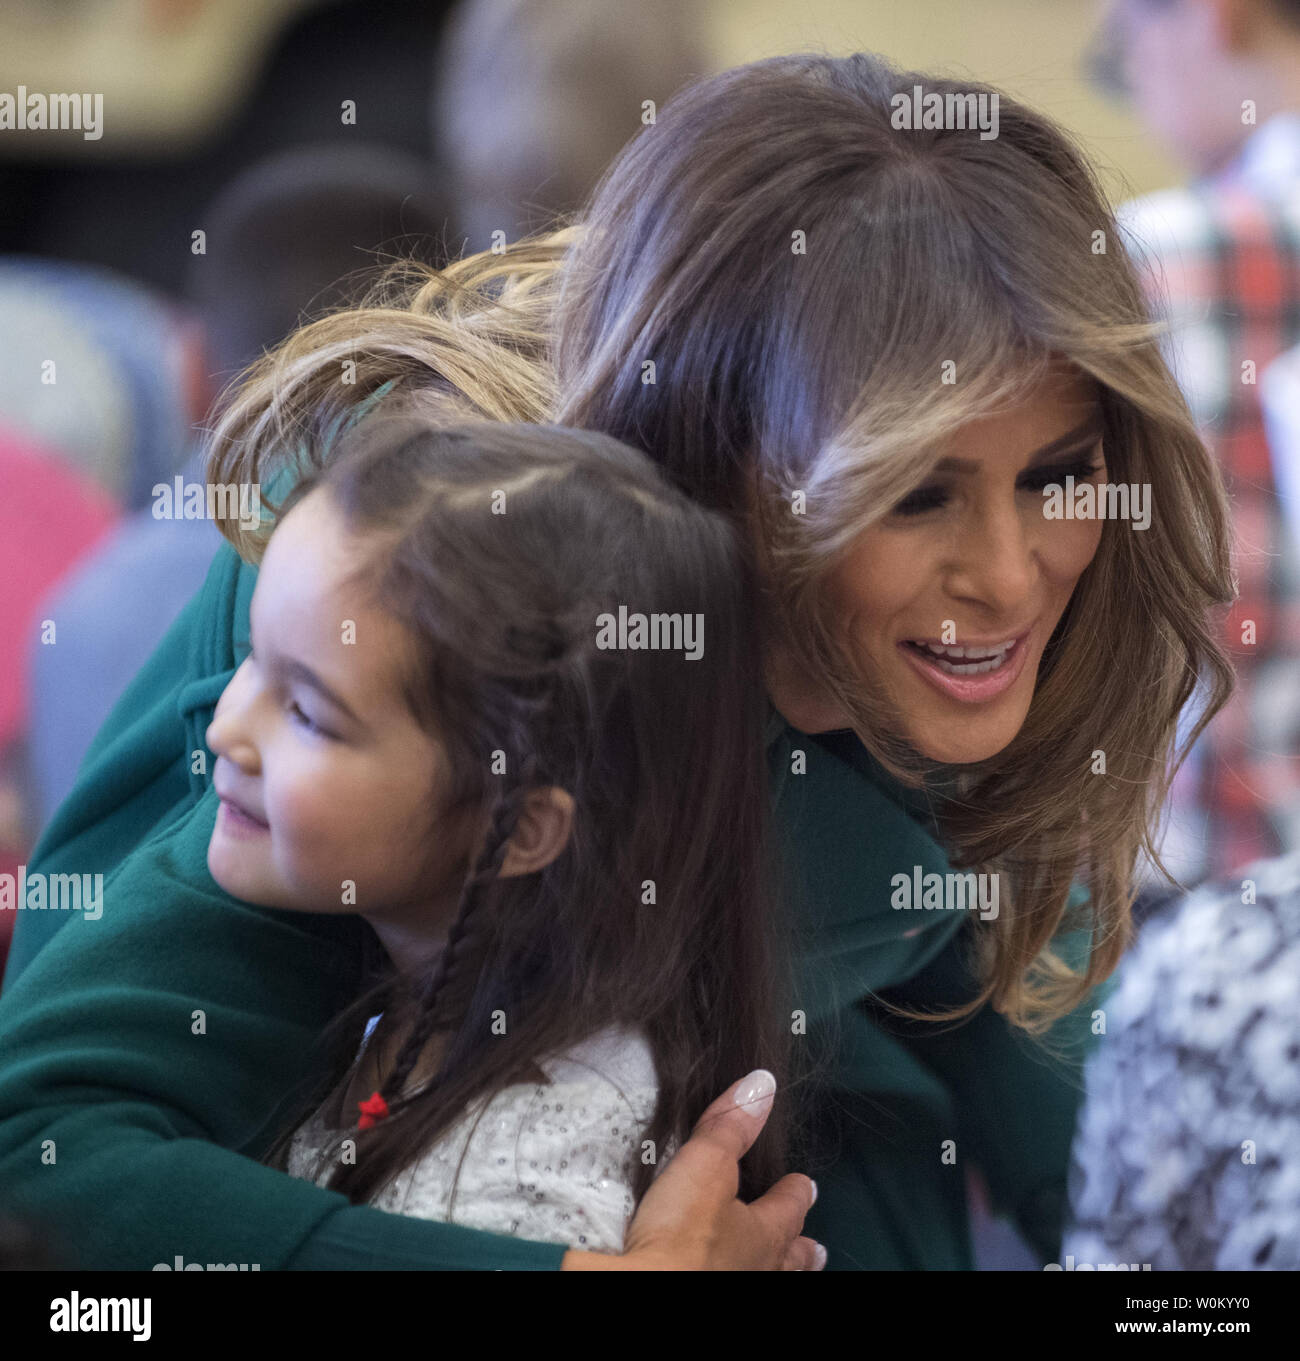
<point>1225,259</point>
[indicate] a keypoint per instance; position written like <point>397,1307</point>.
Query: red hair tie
<point>372,1111</point>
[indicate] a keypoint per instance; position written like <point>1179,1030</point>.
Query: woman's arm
<point>135,776</point>
<point>145,1050</point>
<point>142,1055</point>
<point>148,764</point>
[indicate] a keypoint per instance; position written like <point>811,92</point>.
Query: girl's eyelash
<point>301,718</point>
<point>930,498</point>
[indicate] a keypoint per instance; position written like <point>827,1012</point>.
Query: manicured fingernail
<point>756,1091</point>
<point>820,1255</point>
<point>814,1199</point>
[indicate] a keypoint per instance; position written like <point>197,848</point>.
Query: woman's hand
<point>691,1219</point>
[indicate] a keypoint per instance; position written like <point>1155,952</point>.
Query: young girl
<point>497,703</point>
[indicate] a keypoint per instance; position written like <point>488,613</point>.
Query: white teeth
<point>968,669</point>
<point>972,653</point>
<point>966,661</point>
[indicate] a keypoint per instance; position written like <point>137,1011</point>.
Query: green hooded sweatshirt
<point>145,1055</point>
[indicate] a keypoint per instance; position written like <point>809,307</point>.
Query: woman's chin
<point>958,746</point>
<point>959,757</point>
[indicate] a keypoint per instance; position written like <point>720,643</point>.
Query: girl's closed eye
<point>307,723</point>
<point>931,498</point>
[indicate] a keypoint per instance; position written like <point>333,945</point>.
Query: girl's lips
<point>972,689</point>
<point>236,822</point>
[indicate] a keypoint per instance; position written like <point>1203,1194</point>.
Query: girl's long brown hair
<point>499,546</point>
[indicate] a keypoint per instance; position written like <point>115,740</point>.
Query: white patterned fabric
<point>551,1163</point>
<point>1187,1154</point>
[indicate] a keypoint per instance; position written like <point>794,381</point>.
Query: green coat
<point>155,1128</point>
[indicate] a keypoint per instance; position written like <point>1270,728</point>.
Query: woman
<point>876,347</point>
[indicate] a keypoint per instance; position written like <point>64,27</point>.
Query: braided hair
<point>458,955</point>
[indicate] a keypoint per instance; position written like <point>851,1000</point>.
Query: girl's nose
<point>229,735</point>
<point>226,739</point>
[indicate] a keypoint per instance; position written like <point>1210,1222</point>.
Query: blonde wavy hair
<point>777,371</point>
<point>468,341</point>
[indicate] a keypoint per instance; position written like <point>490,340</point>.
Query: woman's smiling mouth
<point>972,673</point>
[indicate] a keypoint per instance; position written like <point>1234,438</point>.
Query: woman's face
<point>969,561</point>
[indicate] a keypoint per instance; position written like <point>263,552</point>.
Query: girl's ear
<point>541,833</point>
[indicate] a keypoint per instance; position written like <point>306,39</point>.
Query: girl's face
<point>328,785</point>
<point>972,561</point>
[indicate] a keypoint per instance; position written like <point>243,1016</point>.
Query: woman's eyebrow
<point>1088,431</point>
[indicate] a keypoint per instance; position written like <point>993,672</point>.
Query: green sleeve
<point>145,1054</point>
<point>133,778</point>
<point>1016,1098</point>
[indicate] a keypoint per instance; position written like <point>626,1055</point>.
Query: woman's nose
<point>995,561</point>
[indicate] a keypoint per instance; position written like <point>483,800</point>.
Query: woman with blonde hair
<point>912,364</point>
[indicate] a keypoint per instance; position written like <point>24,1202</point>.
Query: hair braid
<point>505,817</point>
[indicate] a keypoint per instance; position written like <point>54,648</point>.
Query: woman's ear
<point>541,833</point>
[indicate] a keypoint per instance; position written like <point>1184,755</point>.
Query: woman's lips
<point>976,689</point>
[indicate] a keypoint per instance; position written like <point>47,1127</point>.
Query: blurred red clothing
<point>50,515</point>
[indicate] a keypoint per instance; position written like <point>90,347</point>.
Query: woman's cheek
<point>1065,547</point>
<point>880,578</point>
<point>1091,540</point>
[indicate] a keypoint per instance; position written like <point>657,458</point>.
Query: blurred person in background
<point>92,414</point>
<point>131,203</point>
<point>1279,389</point>
<point>286,239</point>
<point>1224,252</point>
<point>95,366</point>
<point>516,106</point>
<point>51,514</point>
<point>533,98</point>
<point>1185,1153</point>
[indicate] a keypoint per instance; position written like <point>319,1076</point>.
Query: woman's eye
<point>923,499</point>
<point>1080,470</point>
<point>931,498</point>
